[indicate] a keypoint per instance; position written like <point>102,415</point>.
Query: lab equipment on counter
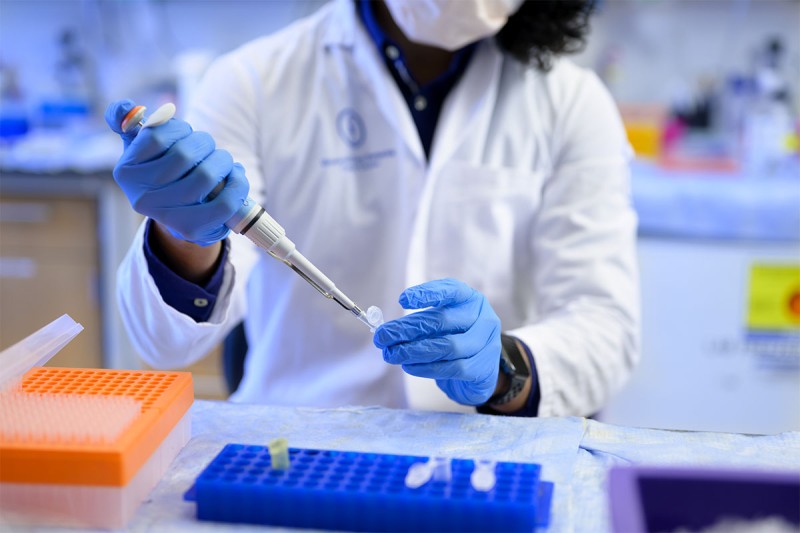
<point>127,428</point>
<point>256,224</point>
<point>354,491</point>
<point>708,499</point>
<point>83,447</point>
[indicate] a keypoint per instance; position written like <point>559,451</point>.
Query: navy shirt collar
<point>424,101</point>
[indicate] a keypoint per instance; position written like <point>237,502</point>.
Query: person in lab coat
<point>439,151</point>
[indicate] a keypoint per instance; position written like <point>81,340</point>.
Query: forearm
<point>190,261</point>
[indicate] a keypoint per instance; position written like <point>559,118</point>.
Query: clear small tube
<point>418,474</point>
<point>279,453</point>
<point>374,317</point>
<point>436,468</point>
<point>483,477</point>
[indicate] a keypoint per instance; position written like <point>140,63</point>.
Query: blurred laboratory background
<point>710,94</point>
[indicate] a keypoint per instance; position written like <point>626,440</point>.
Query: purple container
<point>666,499</point>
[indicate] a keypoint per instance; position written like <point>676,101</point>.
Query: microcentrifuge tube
<point>436,468</point>
<point>418,474</point>
<point>279,453</point>
<point>483,477</point>
<point>374,317</point>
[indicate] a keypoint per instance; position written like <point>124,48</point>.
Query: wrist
<point>505,383</point>
<point>192,262</point>
<point>519,401</point>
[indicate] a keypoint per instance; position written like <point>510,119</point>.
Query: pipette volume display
<point>256,224</point>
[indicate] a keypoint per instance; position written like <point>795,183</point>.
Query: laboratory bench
<point>576,454</point>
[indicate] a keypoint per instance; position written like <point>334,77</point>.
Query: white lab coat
<point>525,198</point>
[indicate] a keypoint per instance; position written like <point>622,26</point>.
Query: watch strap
<point>512,364</point>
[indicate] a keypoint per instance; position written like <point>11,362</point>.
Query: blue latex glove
<point>168,171</point>
<point>456,341</point>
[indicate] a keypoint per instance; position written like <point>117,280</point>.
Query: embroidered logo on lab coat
<point>353,131</point>
<point>351,127</point>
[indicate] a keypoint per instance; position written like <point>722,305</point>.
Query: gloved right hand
<point>167,172</point>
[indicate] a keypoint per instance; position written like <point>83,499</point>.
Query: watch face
<point>506,366</point>
<point>512,358</point>
<point>512,365</point>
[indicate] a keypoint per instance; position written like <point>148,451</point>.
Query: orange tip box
<point>85,447</point>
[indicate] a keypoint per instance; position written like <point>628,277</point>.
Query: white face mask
<point>450,24</point>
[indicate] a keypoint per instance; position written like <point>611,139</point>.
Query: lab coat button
<point>392,52</point>
<point>200,302</point>
<point>420,103</point>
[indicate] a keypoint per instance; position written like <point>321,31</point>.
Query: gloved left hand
<point>456,341</point>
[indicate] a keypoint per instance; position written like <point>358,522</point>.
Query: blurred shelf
<point>714,205</point>
<point>62,236</point>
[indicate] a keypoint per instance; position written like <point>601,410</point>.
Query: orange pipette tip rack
<point>165,398</point>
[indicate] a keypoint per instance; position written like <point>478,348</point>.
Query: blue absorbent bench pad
<point>353,491</point>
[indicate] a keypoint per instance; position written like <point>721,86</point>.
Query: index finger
<point>437,293</point>
<point>151,143</point>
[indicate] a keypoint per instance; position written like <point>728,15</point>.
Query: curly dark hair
<point>543,29</point>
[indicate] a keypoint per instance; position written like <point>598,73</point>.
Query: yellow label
<point>774,302</point>
<point>645,138</point>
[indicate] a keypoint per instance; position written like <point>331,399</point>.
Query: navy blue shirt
<point>425,103</point>
<point>196,301</point>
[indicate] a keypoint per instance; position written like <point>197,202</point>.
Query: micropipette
<point>252,221</point>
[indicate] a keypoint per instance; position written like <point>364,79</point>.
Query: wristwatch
<point>512,364</point>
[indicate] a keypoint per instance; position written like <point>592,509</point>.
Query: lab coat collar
<point>470,100</point>
<point>343,28</point>
<point>469,105</point>
<point>346,31</point>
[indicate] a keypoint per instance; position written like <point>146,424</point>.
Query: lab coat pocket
<point>480,225</point>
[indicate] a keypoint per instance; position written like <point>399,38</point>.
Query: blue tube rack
<point>353,491</point>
